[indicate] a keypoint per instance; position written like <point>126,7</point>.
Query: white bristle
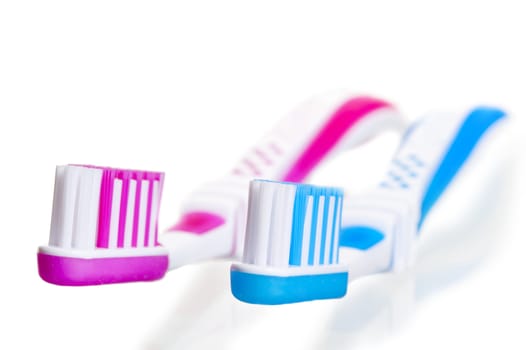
<point>277,221</point>
<point>75,207</point>
<point>306,232</point>
<point>153,213</point>
<point>328,241</point>
<point>58,207</point>
<point>262,223</point>
<point>319,224</point>
<point>269,223</point>
<point>248,250</point>
<point>282,214</point>
<point>87,209</point>
<point>69,206</point>
<point>336,237</point>
<point>142,213</point>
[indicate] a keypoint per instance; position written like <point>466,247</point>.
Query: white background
<point>186,87</point>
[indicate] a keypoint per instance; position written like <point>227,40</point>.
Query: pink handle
<point>345,117</point>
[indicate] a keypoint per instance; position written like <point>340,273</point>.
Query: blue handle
<point>472,129</point>
<point>477,122</point>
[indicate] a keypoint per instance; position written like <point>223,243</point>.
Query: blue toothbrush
<point>291,245</point>
<point>378,228</point>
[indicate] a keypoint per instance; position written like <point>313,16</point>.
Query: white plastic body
<point>103,253</point>
<point>289,271</point>
<point>228,197</point>
<point>395,210</point>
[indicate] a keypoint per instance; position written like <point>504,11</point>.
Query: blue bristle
<point>303,192</point>
<point>324,228</point>
<point>334,231</point>
<point>298,221</point>
<point>314,224</point>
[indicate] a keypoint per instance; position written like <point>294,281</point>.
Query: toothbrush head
<point>103,227</point>
<point>291,247</point>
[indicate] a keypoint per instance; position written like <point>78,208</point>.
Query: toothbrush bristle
<point>317,216</point>
<point>292,224</point>
<point>101,207</point>
<point>268,234</point>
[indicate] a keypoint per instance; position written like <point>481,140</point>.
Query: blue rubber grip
<point>274,290</point>
<point>360,237</point>
<point>471,131</point>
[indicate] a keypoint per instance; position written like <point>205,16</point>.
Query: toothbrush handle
<point>319,128</point>
<point>435,149</point>
<point>379,228</point>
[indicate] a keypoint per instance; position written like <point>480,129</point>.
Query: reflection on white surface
<point>207,316</point>
<point>199,318</point>
<point>381,304</point>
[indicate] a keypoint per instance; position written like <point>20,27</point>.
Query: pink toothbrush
<point>103,227</point>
